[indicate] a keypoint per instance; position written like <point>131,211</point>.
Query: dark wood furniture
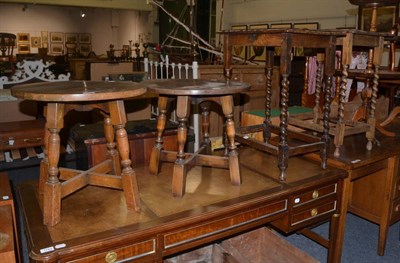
<point>96,225</point>
<point>61,97</point>
<point>24,134</point>
<point>202,93</point>
<point>9,249</point>
<point>372,190</point>
<point>339,128</point>
<point>7,44</point>
<point>285,40</point>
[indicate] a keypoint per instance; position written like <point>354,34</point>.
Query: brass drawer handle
<point>314,212</point>
<point>315,194</point>
<point>111,257</point>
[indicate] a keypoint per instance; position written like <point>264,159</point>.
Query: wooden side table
<point>285,40</point>
<point>62,97</point>
<point>353,40</point>
<point>201,92</point>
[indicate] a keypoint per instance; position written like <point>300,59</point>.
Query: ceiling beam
<point>140,5</point>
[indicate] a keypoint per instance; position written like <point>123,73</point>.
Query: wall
<point>328,13</point>
<point>107,26</point>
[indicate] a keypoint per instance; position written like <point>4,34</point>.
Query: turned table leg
<point>234,169</point>
<point>128,176</point>
<point>112,152</point>
<point>161,121</point>
<point>52,187</point>
<point>179,172</point>
<point>205,112</point>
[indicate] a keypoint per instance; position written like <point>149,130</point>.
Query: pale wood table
<point>201,92</point>
<point>61,97</point>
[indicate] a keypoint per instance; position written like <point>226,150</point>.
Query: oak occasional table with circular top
<point>116,172</point>
<point>202,93</point>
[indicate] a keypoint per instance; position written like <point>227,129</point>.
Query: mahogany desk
<point>95,223</point>
<point>372,190</point>
<point>116,172</point>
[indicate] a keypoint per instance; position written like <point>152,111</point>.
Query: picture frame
<point>35,42</point>
<point>85,49</point>
<point>45,39</point>
<point>24,48</point>
<point>56,48</point>
<point>239,51</point>
<point>71,38</point>
<point>56,37</point>
<point>257,53</point>
<point>386,18</point>
<point>23,38</point>
<point>281,26</point>
<point>85,38</point>
<point>311,26</point>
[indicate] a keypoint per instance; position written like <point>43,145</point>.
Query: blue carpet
<point>360,244</point>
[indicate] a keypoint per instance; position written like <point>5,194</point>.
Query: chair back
<point>7,44</point>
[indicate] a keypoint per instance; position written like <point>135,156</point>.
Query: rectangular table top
<point>96,215</point>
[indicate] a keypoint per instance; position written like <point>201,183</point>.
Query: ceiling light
<point>83,14</point>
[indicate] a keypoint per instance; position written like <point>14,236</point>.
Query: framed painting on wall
<point>45,39</point>
<point>23,38</point>
<point>239,51</point>
<point>84,38</point>
<point>24,48</point>
<point>35,42</point>
<point>56,49</point>
<point>311,26</point>
<point>281,25</point>
<point>71,38</point>
<point>56,37</point>
<point>257,53</point>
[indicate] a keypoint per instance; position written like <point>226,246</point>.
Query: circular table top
<point>73,91</point>
<point>195,87</point>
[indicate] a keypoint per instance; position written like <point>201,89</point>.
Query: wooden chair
<point>391,81</point>
<point>7,44</point>
<point>389,78</point>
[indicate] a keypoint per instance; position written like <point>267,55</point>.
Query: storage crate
<point>264,246</point>
<point>212,253</point>
<point>258,246</point>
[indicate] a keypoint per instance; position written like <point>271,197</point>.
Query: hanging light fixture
<point>82,14</point>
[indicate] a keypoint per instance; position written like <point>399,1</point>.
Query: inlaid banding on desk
<point>215,227</point>
<point>125,254</point>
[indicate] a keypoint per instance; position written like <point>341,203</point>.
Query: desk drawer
<point>395,211</point>
<point>135,251</point>
<point>312,213</point>
<point>397,187</point>
<point>314,195</point>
